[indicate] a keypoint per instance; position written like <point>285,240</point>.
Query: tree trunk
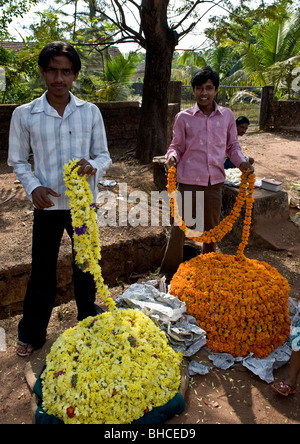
<point>161,42</point>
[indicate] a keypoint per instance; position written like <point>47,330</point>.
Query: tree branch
<point>187,14</point>
<point>131,35</point>
<point>194,24</point>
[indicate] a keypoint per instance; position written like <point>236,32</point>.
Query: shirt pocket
<point>81,143</point>
<point>220,135</point>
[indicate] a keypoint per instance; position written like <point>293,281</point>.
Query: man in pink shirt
<point>203,135</point>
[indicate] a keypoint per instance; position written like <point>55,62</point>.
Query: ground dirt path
<point>239,396</point>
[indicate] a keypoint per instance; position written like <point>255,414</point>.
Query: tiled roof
<point>16,46</point>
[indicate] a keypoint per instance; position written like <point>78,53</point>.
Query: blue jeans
<point>48,229</point>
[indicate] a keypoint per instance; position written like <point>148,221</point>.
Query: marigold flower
<point>241,303</point>
<point>102,367</point>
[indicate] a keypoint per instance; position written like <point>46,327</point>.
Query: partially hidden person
<point>242,125</point>
<point>288,385</point>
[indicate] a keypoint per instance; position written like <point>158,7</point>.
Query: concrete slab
<point>271,225</point>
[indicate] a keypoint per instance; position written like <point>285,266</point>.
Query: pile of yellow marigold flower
<point>112,368</point>
<point>241,303</point>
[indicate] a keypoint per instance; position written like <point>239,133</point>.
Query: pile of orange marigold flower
<point>241,303</point>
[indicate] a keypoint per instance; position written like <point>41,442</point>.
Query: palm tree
<point>275,53</point>
<point>222,59</point>
<point>118,73</point>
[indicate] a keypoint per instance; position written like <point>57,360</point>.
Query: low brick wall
<point>118,262</point>
<point>279,115</point>
<point>285,115</point>
<point>121,120</point>
<point>5,116</point>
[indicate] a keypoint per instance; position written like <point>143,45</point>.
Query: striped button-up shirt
<point>200,144</point>
<point>54,141</point>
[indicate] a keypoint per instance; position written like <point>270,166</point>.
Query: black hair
<point>54,49</point>
<point>242,119</point>
<point>205,74</point>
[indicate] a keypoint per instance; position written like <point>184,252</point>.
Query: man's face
<point>59,76</point>
<point>242,129</point>
<point>205,94</point>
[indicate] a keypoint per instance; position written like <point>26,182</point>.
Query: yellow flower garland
<point>86,233</point>
<point>112,368</point>
<point>241,303</point>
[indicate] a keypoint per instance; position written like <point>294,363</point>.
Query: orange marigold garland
<point>217,233</point>
<point>241,303</point>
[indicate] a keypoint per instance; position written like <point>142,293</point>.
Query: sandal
<point>283,389</point>
<point>24,349</point>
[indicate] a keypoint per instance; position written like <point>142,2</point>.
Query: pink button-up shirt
<point>200,144</point>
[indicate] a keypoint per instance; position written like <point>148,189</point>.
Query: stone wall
<point>5,116</point>
<point>121,120</point>
<point>118,262</point>
<point>279,115</point>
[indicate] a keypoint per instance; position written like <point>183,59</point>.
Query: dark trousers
<point>48,229</point>
<point>173,256</point>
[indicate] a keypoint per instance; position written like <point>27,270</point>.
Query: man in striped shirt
<point>57,127</point>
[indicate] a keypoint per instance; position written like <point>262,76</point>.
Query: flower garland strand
<point>117,366</point>
<point>248,213</point>
<point>86,233</point>
<point>241,304</point>
<point>217,233</point>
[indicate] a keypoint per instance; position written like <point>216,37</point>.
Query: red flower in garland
<point>71,412</point>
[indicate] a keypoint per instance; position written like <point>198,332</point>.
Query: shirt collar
<point>42,105</point>
<point>196,109</point>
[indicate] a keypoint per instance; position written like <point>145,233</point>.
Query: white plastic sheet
<point>186,336</point>
<point>196,368</point>
<point>169,312</point>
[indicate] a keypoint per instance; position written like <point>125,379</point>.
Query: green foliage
<point>275,53</point>
<point>253,47</point>
<point>223,59</point>
<point>239,24</point>
<point>9,9</point>
<point>118,75</point>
